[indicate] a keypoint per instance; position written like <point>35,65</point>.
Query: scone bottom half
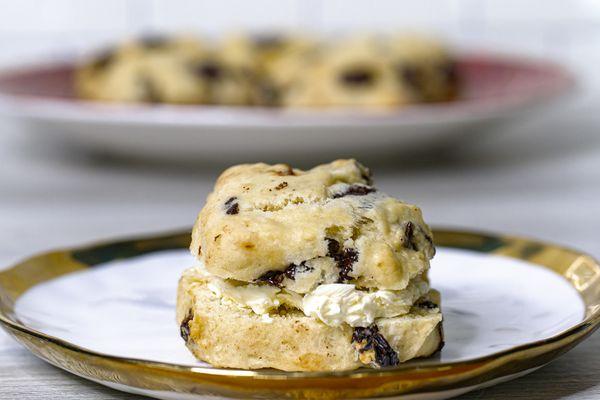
<point>311,270</point>
<point>223,334</point>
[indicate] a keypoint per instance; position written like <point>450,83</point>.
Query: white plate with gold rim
<point>106,313</point>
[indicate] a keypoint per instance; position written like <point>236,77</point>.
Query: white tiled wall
<point>568,30</point>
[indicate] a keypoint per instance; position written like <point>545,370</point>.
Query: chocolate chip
<point>184,328</point>
<point>411,75</point>
<point>282,185</point>
<point>154,41</point>
<point>355,190</point>
<point>209,70</point>
<point>357,77</point>
<point>274,278</point>
<point>427,304</point>
<point>294,269</point>
<point>369,339</point>
<point>103,60</point>
<point>333,247</point>
<point>410,241</point>
<point>231,206</point>
<point>409,236</point>
<point>430,241</point>
<point>344,259</point>
<point>233,209</point>
<point>449,71</point>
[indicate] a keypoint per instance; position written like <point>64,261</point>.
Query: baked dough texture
<point>225,335</point>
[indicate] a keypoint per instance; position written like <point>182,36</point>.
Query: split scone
<point>308,270</point>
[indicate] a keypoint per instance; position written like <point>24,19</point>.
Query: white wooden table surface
<point>540,177</point>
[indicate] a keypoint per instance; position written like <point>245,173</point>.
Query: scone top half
<point>275,224</point>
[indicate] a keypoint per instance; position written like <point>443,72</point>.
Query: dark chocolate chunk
<point>411,75</point>
<point>358,77</point>
<point>345,261</point>
<point>449,71</point>
<point>274,278</point>
<point>355,190</point>
<point>427,304</point>
<point>410,240</point>
<point>429,239</point>
<point>294,269</point>
<point>209,70</point>
<point>370,339</point>
<point>154,41</point>
<point>231,206</point>
<point>333,248</point>
<point>409,236</point>
<point>184,328</point>
<point>344,258</point>
<point>103,60</point>
<point>233,209</point>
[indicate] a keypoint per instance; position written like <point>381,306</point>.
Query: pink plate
<point>496,88</point>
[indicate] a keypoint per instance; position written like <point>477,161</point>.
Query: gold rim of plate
<point>418,376</point>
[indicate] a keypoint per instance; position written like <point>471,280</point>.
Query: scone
<point>308,270</point>
<point>378,71</point>
<point>221,332</point>
<point>425,69</point>
<point>275,70</point>
<point>162,70</point>
<point>353,72</point>
<point>275,62</point>
<point>265,222</point>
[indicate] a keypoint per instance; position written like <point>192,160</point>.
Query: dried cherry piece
<point>369,339</point>
<point>184,328</point>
